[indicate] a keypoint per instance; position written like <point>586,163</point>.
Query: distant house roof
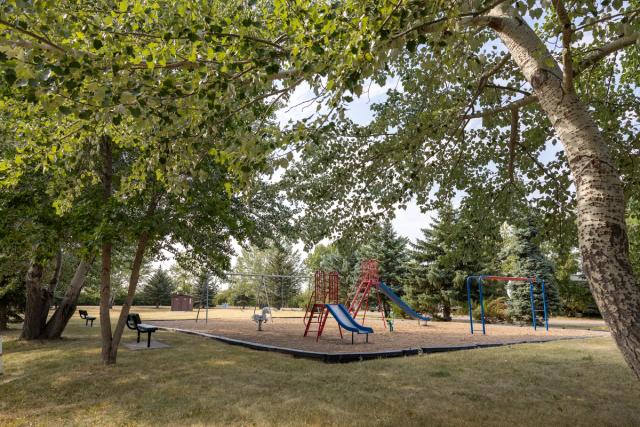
<point>180,295</point>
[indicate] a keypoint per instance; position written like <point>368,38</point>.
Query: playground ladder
<point>326,291</point>
<point>318,315</point>
<point>310,306</point>
<point>535,302</point>
<point>360,298</point>
<point>369,278</point>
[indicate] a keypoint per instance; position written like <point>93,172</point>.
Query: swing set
<point>262,294</point>
<point>532,282</point>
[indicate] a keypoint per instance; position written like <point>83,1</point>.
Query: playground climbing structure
<point>369,280</point>
<point>326,291</point>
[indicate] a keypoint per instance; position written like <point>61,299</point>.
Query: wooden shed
<point>181,302</point>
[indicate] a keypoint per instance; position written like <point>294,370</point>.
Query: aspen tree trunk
<point>105,275</point>
<point>55,279</point>
<point>105,294</point>
<point>58,321</point>
<point>36,299</point>
<point>134,277</point>
<point>602,230</point>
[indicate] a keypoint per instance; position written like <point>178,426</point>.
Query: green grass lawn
<point>203,382</point>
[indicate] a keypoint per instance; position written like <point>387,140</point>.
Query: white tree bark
<point>602,230</point>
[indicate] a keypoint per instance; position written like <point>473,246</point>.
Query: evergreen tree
<point>200,291</point>
<point>440,261</point>
<point>391,252</point>
<point>12,298</point>
<point>242,289</point>
<point>159,288</point>
<point>283,260</point>
<point>633,226</point>
<point>340,257</point>
<point>522,257</point>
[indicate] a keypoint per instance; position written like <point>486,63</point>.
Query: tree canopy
<point>508,105</point>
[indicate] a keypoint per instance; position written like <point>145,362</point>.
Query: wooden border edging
<point>358,356</point>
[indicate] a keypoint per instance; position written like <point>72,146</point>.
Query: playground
<point>408,334</point>
<point>331,327</point>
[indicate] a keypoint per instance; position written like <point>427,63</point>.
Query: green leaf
<point>10,76</point>
<point>85,114</point>
<point>64,109</point>
<point>135,111</point>
<point>272,68</point>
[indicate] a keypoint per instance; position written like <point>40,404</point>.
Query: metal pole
<point>469,279</point>
<point>544,303</point>
<point>533,307</point>
<point>484,332</point>
<point>206,287</point>
<point>270,275</point>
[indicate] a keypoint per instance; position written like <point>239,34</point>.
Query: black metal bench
<point>84,315</point>
<point>134,322</point>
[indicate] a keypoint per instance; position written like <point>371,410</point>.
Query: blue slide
<point>344,319</point>
<point>403,305</point>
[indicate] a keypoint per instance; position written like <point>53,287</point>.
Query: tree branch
<point>432,26</point>
<point>482,81</point>
<point>32,34</point>
<point>589,61</point>
<point>603,51</point>
<point>509,88</point>
<point>522,102</point>
<point>27,44</point>
<point>513,140</point>
<point>567,32</point>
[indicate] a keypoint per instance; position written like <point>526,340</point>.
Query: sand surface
<point>287,332</point>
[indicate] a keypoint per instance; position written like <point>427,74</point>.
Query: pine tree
<point>439,263</point>
<point>159,288</point>
<point>283,260</point>
<point>340,257</point>
<point>522,257</point>
<point>280,260</point>
<point>633,226</point>
<point>200,291</point>
<point>12,299</point>
<point>391,252</point>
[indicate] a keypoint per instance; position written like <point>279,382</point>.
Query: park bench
<point>134,322</point>
<point>84,315</point>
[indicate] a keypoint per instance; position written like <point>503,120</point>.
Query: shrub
<point>495,310</point>
<point>223,297</point>
<point>576,299</point>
